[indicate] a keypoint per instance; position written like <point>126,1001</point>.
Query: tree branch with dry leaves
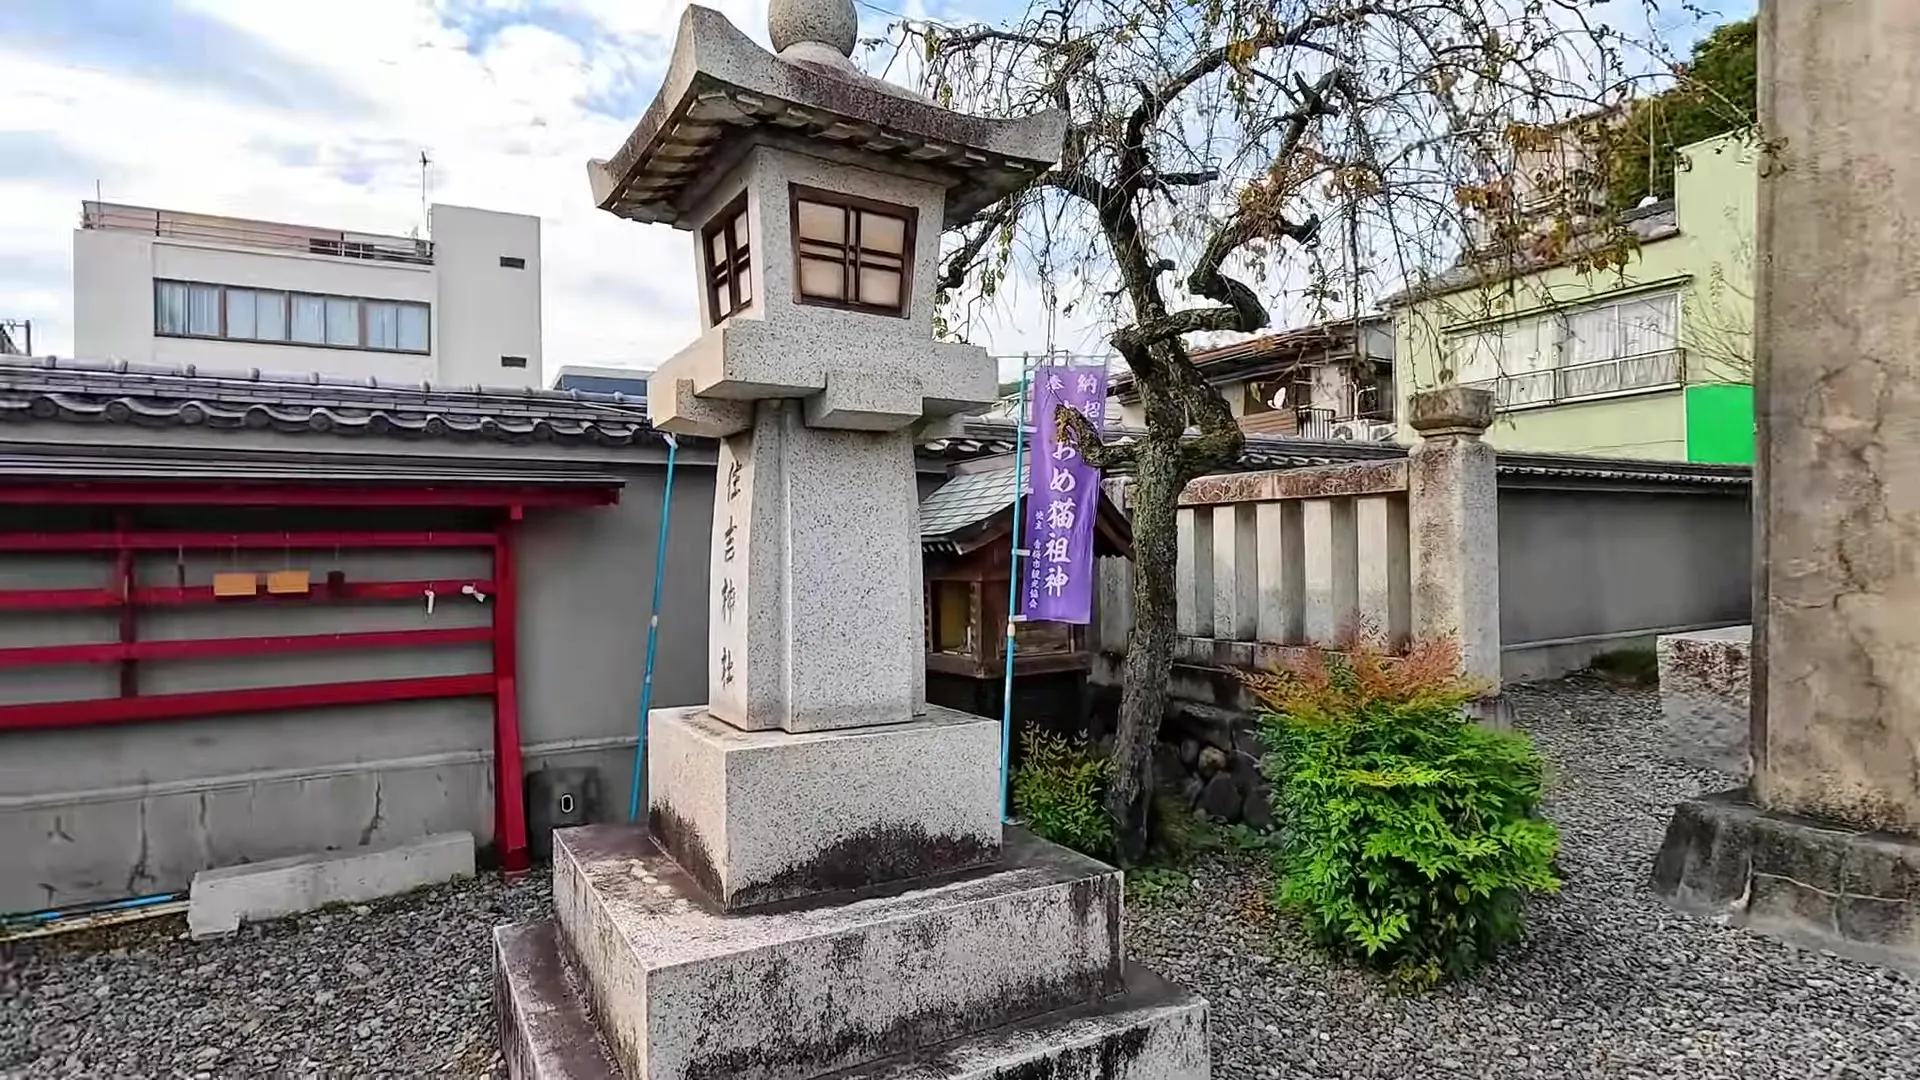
<point>1230,160</point>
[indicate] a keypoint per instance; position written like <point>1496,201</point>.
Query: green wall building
<point>1649,360</point>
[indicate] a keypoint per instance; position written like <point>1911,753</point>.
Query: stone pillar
<point>1193,572</point>
<point>1236,578</point>
<point>1836,644</point>
<point>1278,541</point>
<point>1329,552</point>
<point>1453,518</point>
<point>1837,492</point>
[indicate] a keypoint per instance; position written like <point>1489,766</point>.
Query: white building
<point>233,294</point>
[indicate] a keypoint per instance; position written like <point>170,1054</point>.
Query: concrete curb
<point>253,892</point>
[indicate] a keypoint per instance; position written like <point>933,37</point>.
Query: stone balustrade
<point>1300,557</point>
<point>1272,563</point>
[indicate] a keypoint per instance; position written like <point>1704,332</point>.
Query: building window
<point>513,361</point>
<point>414,334</point>
<point>256,315</point>
<point>310,320</point>
<point>851,252</point>
<point>187,310</point>
<point>513,262</point>
<point>1595,350</point>
<point>729,269</point>
<point>235,313</point>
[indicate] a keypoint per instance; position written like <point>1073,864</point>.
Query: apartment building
<point>225,293</point>
<point>1650,359</point>
<point>1328,381</point>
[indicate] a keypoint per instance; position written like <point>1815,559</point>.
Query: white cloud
<point>506,96</point>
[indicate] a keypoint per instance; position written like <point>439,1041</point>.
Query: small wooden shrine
<point>965,539</point>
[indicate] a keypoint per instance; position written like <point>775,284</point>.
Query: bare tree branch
<point>1078,432</point>
<point>1233,159</point>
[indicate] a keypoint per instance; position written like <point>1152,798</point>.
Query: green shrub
<point>1411,836</point>
<point>1059,792</point>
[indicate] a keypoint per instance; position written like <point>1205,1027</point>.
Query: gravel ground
<point>1610,983</point>
<point>401,988</point>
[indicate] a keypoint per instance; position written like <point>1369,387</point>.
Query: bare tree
<point>1328,151</point>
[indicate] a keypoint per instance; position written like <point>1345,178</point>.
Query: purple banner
<point>1063,496</point>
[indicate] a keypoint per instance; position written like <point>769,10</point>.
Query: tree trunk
<point>1154,496</point>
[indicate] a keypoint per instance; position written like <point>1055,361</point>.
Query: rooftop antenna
<point>426,166</point>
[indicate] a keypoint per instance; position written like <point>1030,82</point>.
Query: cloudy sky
<point>316,112</point>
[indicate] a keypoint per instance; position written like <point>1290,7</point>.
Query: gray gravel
<point>402,988</point>
<point>1610,984</point>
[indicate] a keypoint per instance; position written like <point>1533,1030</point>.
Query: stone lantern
<point>825,885</point>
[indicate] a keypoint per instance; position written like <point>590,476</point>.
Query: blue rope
<point>1013,596</point>
<point>653,632</point>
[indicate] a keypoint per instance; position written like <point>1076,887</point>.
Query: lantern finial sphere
<point>833,23</point>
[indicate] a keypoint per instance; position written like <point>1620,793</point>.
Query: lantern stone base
<point>1012,964</point>
<point>756,817</point>
<point>1152,1031</point>
<point>1815,884</point>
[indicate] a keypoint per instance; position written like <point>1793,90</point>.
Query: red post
<point>123,584</point>
<point>510,807</point>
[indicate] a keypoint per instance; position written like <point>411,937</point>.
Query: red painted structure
<point>506,504</point>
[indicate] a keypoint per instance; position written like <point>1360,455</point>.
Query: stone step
<point>546,1032</point>
<point>686,991</point>
<point>1151,1031</point>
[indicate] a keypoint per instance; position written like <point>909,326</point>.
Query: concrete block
<point>1704,680</point>
<point>1453,516</point>
<point>749,360</point>
<point>685,991</point>
<point>546,1032</point>
<point>1152,1031</point>
<point>1803,881</point>
<point>757,817</point>
<point>222,899</point>
<point>1386,574</point>
<point>1236,575</point>
<point>672,406</point>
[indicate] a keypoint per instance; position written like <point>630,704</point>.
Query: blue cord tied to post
<point>653,630</point>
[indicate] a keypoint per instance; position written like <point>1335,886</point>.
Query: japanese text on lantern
<point>1062,498</point>
<point>729,594</point>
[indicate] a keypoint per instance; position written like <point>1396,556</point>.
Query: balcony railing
<point>1579,382</point>
<point>243,232</point>
<point>1310,423</point>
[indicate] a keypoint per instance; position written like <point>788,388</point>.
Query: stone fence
<point>1273,564</point>
<point>1278,562</point>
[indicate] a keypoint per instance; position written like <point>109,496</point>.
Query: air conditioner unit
<point>1361,431</point>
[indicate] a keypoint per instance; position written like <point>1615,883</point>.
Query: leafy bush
<point>1410,833</point>
<point>1059,791</point>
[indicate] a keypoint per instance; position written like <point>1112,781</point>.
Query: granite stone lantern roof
<point>722,92</point>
